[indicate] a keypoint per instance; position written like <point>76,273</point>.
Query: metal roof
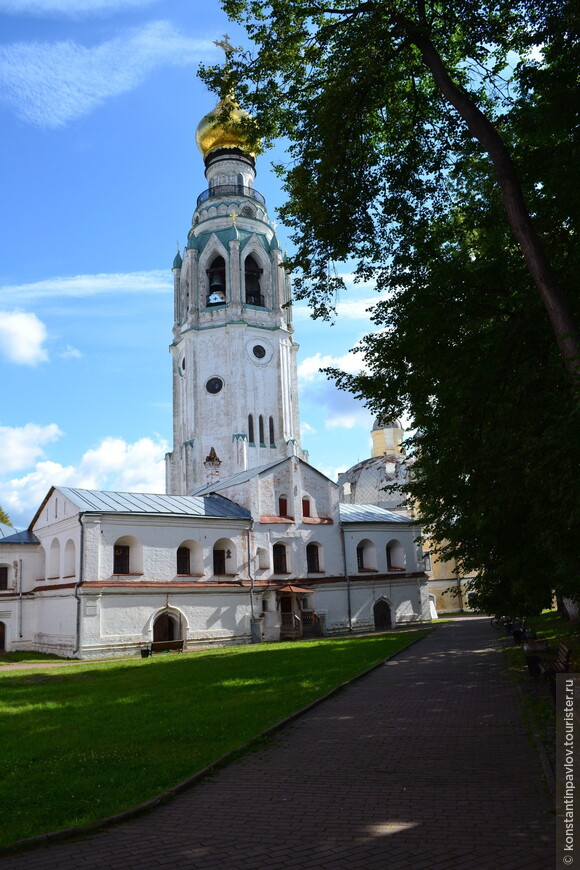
<point>97,501</point>
<point>25,537</point>
<point>369,513</point>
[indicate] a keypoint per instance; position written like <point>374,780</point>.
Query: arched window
<point>261,431</point>
<point>283,506</point>
<point>54,559</point>
<point>240,182</point>
<point>251,429</point>
<point>128,556</point>
<point>280,563</point>
<point>395,556</point>
<point>121,559</point>
<point>313,558</point>
<point>306,507</point>
<point>69,559</point>
<point>366,556</point>
<point>217,282</point>
<point>183,560</point>
<point>252,273</point>
<point>272,439</point>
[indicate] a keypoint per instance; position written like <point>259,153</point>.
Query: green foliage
<point>385,171</point>
<point>4,518</point>
<point>84,741</point>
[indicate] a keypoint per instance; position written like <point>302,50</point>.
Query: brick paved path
<point>421,765</point>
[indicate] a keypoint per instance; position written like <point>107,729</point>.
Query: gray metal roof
<point>6,531</point>
<point>369,513</point>
<point>25,537</point>
<point>97,501</point>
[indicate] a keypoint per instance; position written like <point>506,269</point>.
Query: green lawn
<point>82,743</point>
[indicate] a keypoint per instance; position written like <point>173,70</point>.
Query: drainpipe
<point>251,578</point>
<point>20,598</point>
<point>347,577</point>
<point>77,584</point>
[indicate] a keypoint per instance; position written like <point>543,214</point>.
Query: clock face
<point>214,385</point>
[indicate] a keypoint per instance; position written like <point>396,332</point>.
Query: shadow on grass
<point>86,742</point>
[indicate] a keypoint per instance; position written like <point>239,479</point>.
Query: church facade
<point>250,543</point>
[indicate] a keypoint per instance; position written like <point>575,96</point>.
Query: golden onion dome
<point>213,133</point>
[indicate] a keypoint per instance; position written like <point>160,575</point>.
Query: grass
<point>555,629</point>
<point>38,658</point>
<point>85,742</point>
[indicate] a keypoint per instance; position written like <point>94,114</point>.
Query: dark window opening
<point>360,557</point>
<point>261,431</point>
<point>252,274</point>
<point>121,559</point>
<point>183,560</point>
<point>312,560</point>
<point>251,429</point>
<point>217,282</point>
<point>272,439</point>
<point>283,506</point>
<point>305,507</point>
<point>279,552</point>
<point>219,561</point>
<point>3,577</point>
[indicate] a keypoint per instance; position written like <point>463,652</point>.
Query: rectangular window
<point>283,507</point>
<point>360,557</point>
<point>183,560</point>
<point>121,559</point>
<point>219,561</point>
<point>305,507</point>
<point>3,577</point>
<point>279,552</point>
<point>313,562</point>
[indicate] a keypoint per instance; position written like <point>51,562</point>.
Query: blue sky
<point>99,173</point>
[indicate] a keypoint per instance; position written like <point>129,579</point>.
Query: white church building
<point>251,543</point>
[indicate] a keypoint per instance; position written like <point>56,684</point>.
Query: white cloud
<point>70,352</point>
<point>50,84</point>
<point>22,337</point>
<point>68,8</point>
<point>309,368</point>
<point>114,464</point>
<point>153,281</point>
<point>21,446</point>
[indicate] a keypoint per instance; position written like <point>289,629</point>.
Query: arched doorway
<point>2,637</point>
<point>165,628</point>
<point>382,615</point>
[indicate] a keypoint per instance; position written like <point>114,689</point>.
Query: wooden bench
<point>560,665</point>
<point>165,646</point>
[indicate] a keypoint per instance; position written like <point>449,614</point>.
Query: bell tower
<point>235,396</point>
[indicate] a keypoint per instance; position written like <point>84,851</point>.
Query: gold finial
<point>233,216</point>
<point>275,225</point>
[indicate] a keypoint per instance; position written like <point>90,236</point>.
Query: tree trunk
<point>479,126</point>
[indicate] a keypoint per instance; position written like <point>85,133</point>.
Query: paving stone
<point>423,764</point>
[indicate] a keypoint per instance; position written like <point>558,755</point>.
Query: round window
<point>214,385</point>
<point>259,351</point>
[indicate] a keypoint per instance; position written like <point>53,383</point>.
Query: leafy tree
<point>379,99</point>
<point>386,168</point>
<point>4,518</point>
